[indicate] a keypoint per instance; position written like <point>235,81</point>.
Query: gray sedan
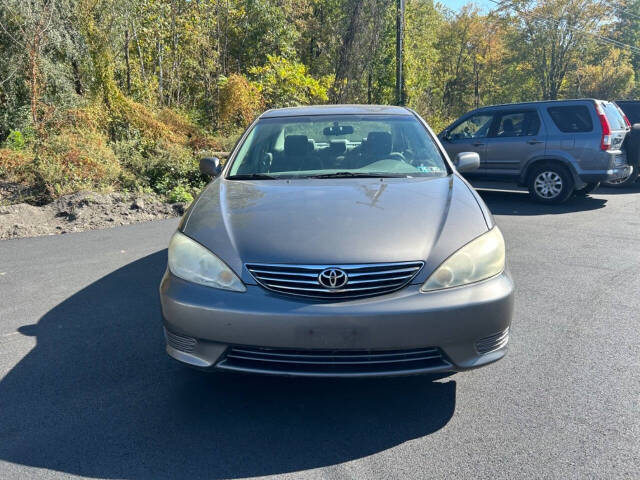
<point>337,241</point>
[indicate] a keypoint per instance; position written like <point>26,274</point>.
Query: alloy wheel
<point>548,184</point>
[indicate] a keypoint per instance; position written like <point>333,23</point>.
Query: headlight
<point>477,260</point>
<point>191,261</point>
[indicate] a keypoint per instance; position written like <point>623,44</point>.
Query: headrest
<point>378,142</point>
<point>296,144</point>
<point>338,147</point>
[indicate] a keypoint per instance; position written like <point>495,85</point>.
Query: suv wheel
<point>550,183</point>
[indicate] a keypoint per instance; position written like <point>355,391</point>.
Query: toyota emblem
<point>333,278</point>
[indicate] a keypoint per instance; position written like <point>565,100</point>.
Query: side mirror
<point>210,166</point>
<point>445,135</point>
<point>467,161</point>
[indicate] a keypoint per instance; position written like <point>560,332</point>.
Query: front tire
<point>550,183</point>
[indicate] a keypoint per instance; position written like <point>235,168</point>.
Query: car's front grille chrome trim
<point>180,342</point>
<point>331,362</point>
<point>297,274</point>
<point>493,342</point>
<point>363,279</point>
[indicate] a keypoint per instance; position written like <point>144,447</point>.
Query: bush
<point>172,166</point>
<point>240,102</point>
<point>128,147</point>
<point>179,193</point>
<point>15,140</point>
<point>76,160</point>
<point>225,142</point>
<point>160,169</point>
<point>284,83</point>
<point>16,165</point>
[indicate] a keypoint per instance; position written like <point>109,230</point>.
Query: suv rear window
<point>613,115</point>
<point>573,119</point>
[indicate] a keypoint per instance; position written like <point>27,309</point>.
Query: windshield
<point>341,146</point>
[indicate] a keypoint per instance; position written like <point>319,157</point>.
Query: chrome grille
<point>362,280</point>
<point>331,362</point>
<point>493,342</point>
<point>180,342</point>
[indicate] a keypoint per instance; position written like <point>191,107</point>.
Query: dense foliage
<point>99,94</point>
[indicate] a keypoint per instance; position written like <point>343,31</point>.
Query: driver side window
<point>476,126</point>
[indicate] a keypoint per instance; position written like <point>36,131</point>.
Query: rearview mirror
<point>210,166</point>
<point>467,161</point>
<point>338,130</point>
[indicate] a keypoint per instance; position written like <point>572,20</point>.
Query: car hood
<point>335,221</point>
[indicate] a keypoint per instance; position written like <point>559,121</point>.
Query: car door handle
<point>478,144</point>
<point>534,142</point>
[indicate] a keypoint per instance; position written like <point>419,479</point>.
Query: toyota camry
<point>337,241</point>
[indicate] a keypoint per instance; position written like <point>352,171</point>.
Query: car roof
<point>336,110</point>
<point>543,102</point>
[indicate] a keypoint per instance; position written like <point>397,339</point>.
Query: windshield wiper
<point>359,175</point>
<point>252,176</point>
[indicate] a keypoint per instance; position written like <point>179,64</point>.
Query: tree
<point>627,31</point>
<point>423,24</point>
<point>610,77</point>
<point>549,36</point>
<point>29,26</point>
<point>60,54</point>
<point>283,83</point>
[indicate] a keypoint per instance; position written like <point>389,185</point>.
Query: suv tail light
<point>605,142</point>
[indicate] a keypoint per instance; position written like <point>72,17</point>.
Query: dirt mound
<point>83,211</point>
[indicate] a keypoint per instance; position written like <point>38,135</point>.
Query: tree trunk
<point>34,85</point>
<point>135,37</point>
<point>126,59</point>
<point>342,67</point>
<point>77,78</point>
<point>160,72</point>
<point>476,82</point>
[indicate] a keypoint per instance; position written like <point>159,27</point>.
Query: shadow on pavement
<point>502,202</point>
<point>97,396</point>
<point>634,188</point>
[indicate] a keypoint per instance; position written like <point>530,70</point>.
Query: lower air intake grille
<point>180,342</point>
<point>331,362</point>
<point>349,281</point>
<point>493,342</point>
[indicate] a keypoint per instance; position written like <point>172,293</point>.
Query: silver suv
<point>555,148</point>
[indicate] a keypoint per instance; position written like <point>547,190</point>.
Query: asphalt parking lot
<point>87,391</point>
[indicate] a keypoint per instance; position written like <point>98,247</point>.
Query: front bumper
<point>204,324</point>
